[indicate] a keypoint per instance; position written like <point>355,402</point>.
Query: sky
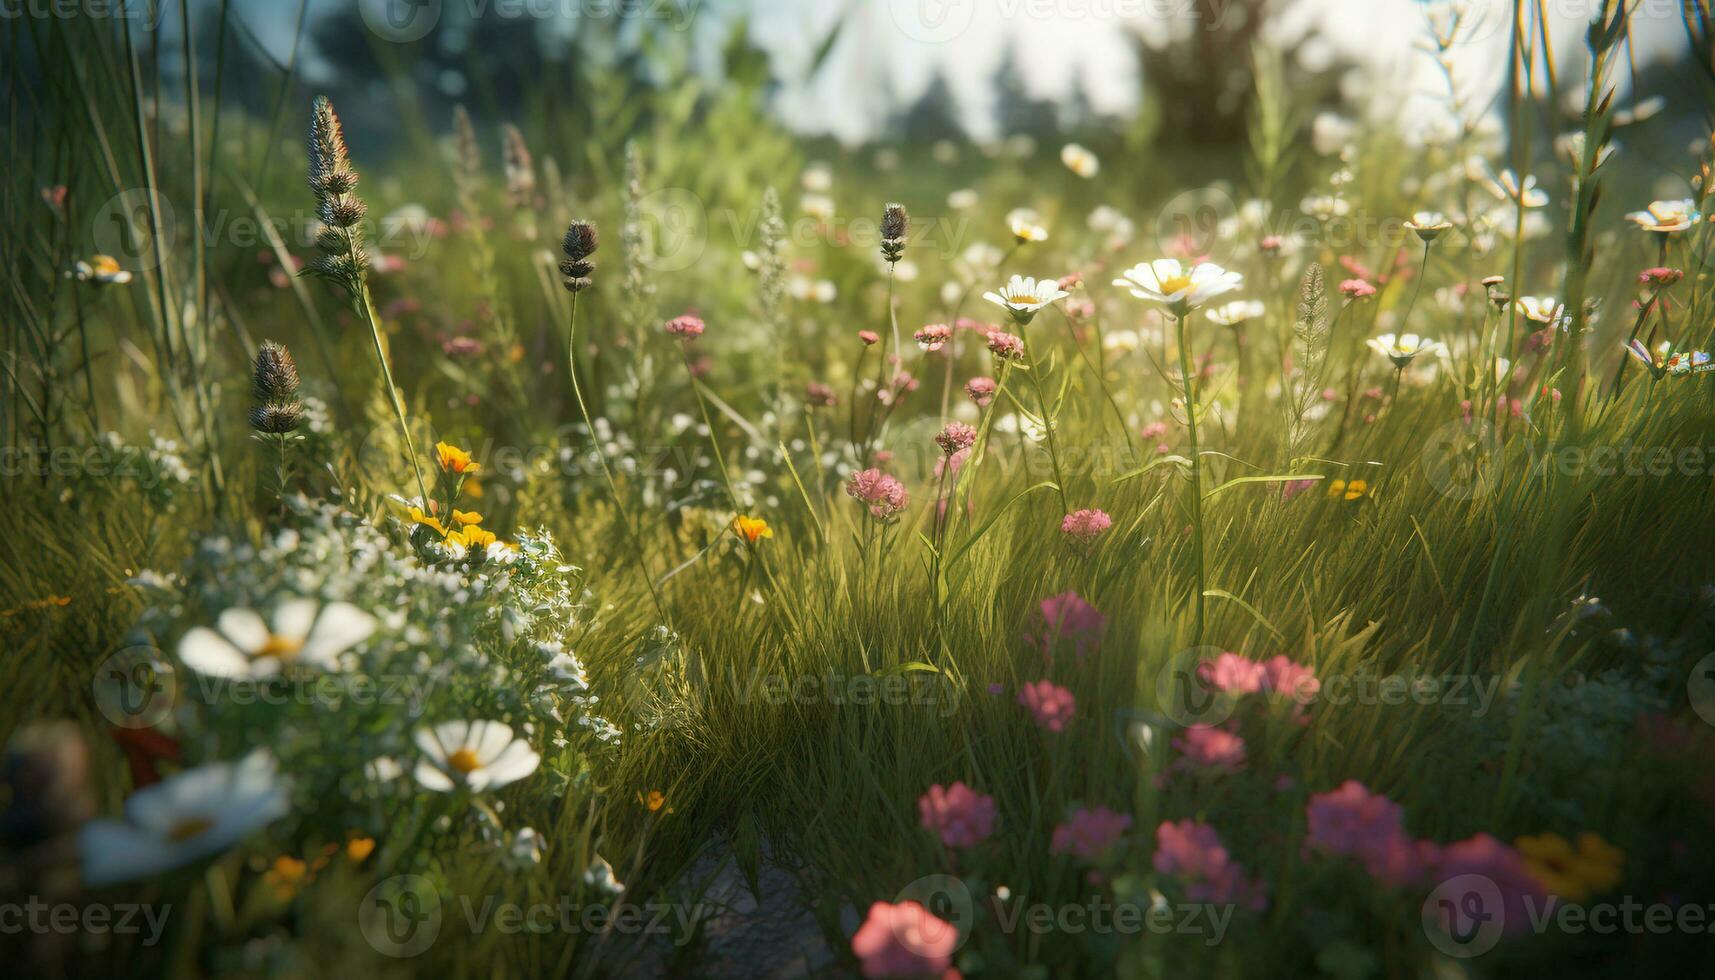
<point>896,45</point>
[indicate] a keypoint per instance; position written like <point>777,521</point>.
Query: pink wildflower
<point>957,814</point>
<point>1232,674</point>
<point>1353,822</point>
<point>1660,276</point>
<point>1090,833</point>
<point>904,940</point>
<point>819,395</point>
<point>1207,747</point>
<point>1193,852</point>
<point>955,436</point>
<point>933,337</point>
<point>1356,289</point>
<point>1052,705</point>
<point>1085,526</point>
<point>980,390</point>
<point>686,327</point>
<point>1155,430</point>
<point>882,494</point>
<point>1005,346</point>
<point>869,337</point>
<point>1504,869</point>
<point>1287,679</point>
<point>1068,618</point>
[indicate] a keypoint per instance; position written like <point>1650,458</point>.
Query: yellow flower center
<point>279,647</point>
<point>1024,299</point>
<point>188,828</point>
<point>1174,284</point>
<point>464,760</point>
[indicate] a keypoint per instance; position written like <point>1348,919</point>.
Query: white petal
<point>516,762</point>
<point>207,652</point>
<point>340,627</point>
<point>244,628</point>
<point>431,778</point>
<point>294,617</point>
<point>488,740</point>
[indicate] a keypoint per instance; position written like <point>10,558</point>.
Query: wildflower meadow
<point>690,490</point>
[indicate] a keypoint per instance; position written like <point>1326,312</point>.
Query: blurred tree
<point>1199,73</point>
<point>934,116</point>
<point>1015,109</point>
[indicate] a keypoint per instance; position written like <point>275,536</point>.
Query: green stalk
<point>1196,468</point>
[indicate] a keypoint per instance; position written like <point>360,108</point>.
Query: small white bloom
<point>187,816</point>
<point>1542,309</point>
<point>818,206</point>
<point>1403,349</point>
<point>525,851</point>
<point>476,755</point>
<point>1026,225</point>
<point>1238,311</point>
<point>1023,296</point>
<point>1080,160</point>
<point>303,631</point>
<point>1667,216</point>
<point>1508,187</point>
<point>1167,282</point>
<point>962,199</point>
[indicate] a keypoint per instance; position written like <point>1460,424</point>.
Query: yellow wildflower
<point>1338,489</point>
<point>427,520</point>
<point>751,529</point>
<point>455,460</point>
<point>466,517</point>
<point>1572,873</point>
<point>285,876</point>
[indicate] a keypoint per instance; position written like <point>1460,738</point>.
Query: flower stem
<point>365,308</point>
<point>1196,469</point>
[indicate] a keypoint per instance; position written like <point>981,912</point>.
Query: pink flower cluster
<point>957,814</point>
<point>1085,526</point>
<point>1356,289</point>
<point>1487,857</point>
<point>1090,833</point>
<point>884,495</point>
<point>980,390</point>
<point>933,337</point>
<point>1208,747</point>
<point>1277,676</point>
<point>1353,822</point>
<point>685,327</point>
<point>955,437</point>
<point>1193,853</point>
<point>1068,618</point>
<point>1006,346</point>
<point>905,940</point>
<point>1052,705</point>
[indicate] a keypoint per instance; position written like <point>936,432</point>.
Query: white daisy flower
<point>1403,349</point>
<point>1542,309</point>
<point>1429,224</point>
<point>1026,225</point>
<point>303,631</point>
<point>1182,290</point>
<point>191,815</point>
<point>1508,187</point>
<point>475,755</point>
<point>817,178</point>
<point>962,199</point>
<point>1023,296</point>
<point>1666,216</point>
<point>1238,311</point>
<point>818,206</point>
<point>103,270</point>
<point>1080,160</point>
